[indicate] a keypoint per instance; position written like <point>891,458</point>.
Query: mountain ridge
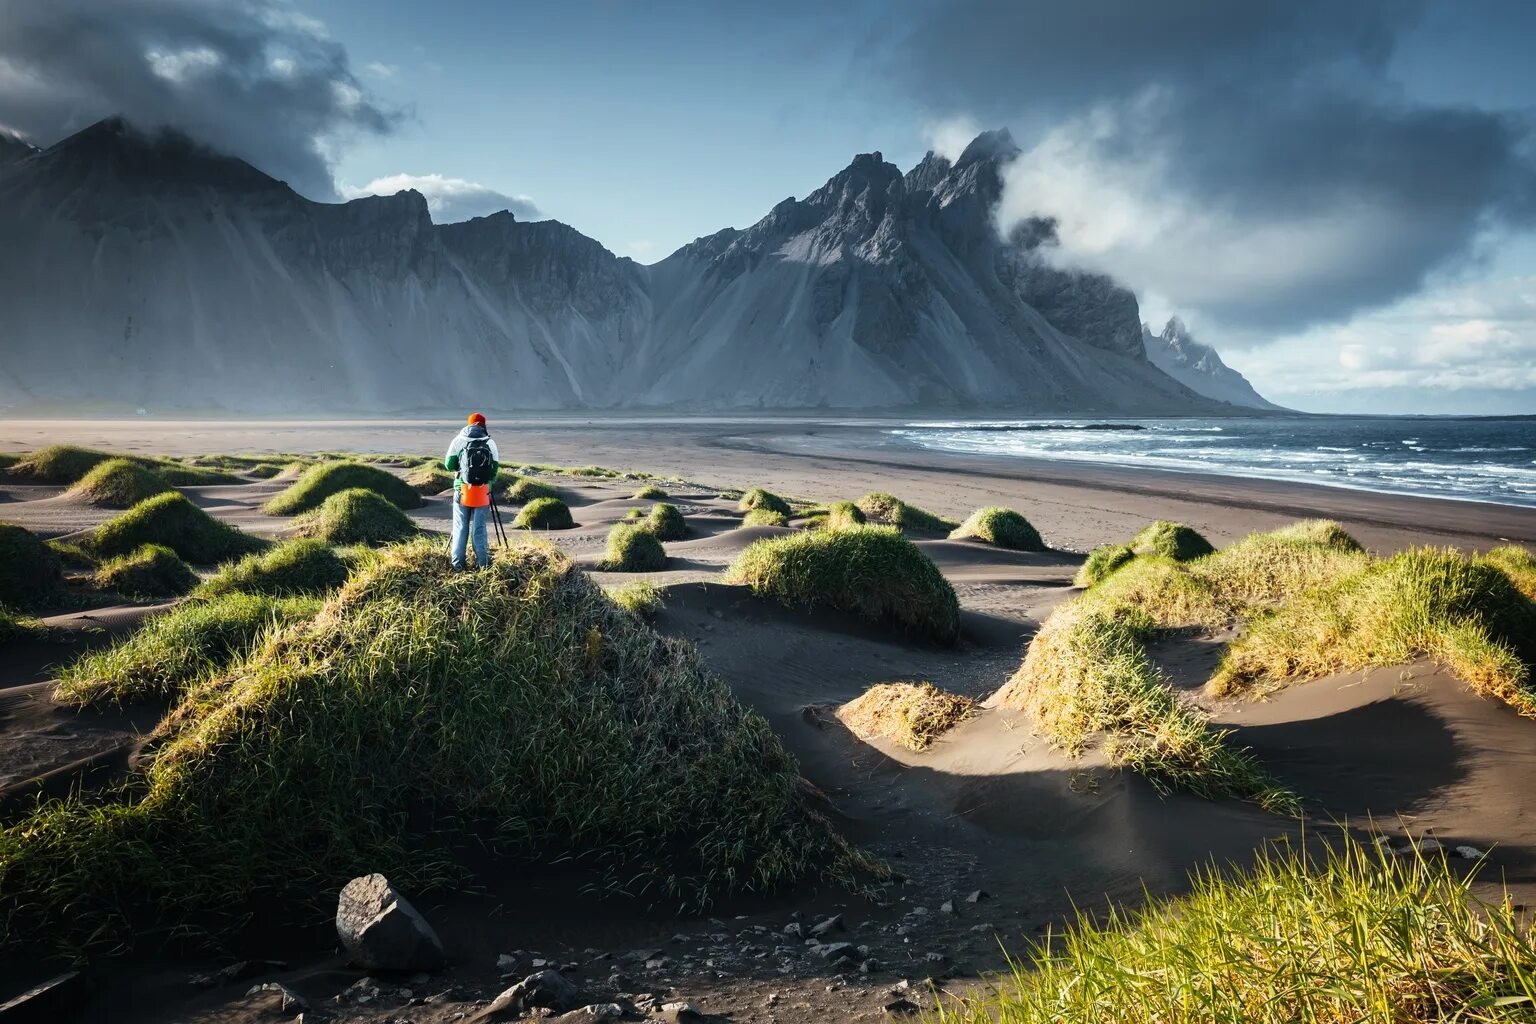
<point>151,271</point>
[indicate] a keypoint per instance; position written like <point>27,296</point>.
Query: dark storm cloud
<point>250,77</point>
<point>1260,119</point>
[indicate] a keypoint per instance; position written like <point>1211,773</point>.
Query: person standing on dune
<point>473,459</point>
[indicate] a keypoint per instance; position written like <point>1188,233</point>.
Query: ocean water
<point>1468,459</point>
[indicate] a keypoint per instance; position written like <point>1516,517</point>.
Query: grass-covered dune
<point>764,517</point>
<point>31,574</point>
<point>320,481</point>
<point>429,478</point>
<point>544,514</point>
<point>64,464</point>
<point>150,571</point>
<point>356,516</point>
<point>119,483</point>
<point>910,714</point>
<point>1170,540</point>
<point>1350,937</point>
<point>879,507</point>
<point>520,490</point>
<point>174,652</point>
<point>1306,600</point>
<point>871,571</point>
<point>758,498</point>
<point>304,566</point>
<point>1001,527</point>
<point>173,520</point>
<point>633,548</point>
<point>420,707</point>
<point>666,522</point>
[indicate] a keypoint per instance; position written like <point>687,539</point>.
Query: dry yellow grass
<point>910,714</point>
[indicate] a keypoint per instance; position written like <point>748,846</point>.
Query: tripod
<point>501,531</point>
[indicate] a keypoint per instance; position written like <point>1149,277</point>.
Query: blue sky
<point>1340,195</point>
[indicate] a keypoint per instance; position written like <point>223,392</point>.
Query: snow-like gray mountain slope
<point>144,270</point>
<point>1198,367</point>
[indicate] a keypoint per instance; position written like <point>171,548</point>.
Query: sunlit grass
<point>1351,937</point>
<point>912,715</point>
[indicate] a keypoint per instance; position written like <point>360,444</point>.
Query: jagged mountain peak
<point>119,150</point>
<point>996,146</point>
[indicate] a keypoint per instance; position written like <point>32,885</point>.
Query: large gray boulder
<point>383,932</point>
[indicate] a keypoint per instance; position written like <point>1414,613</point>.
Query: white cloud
<point>379,69</point>
<point>1461,347</point>
<point>182,65</point>
<point>449,199</point>
<point>949,137</point>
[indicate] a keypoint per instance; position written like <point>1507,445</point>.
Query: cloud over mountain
<point>1257,162</point>
<point>254,78</point>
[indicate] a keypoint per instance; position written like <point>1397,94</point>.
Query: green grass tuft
<point>31,576</point>
<point>642,597</point>
<point>871,571</point>
<point>1516,563</point>
<point>17,627</point>
<point>1348,937</point>
<point>430,478</point>
<point>544,514</point>
<point>764,517</point>
<point>321,481</point>
<point>151,571</point>
<point>757,498</point>
<point>1170,540</point>
<point>650,492</point>
<point>73,555</point>
<point>843,514</point>
<point>173,520</point>
<point>119,483</point>
<point>1002,527</point>
<point>879,507</point>
<point>422,711</point>
<point>633,549</point>
<point>173,653</point>
<point>666,522</point>
<point>522,490</point>
<point>356,516</point>
<point>305,566</point>
<point>1102,561</point>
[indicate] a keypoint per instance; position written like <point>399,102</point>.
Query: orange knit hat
<point>476,417</point>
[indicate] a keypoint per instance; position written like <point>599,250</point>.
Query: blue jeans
<point>469,523</point>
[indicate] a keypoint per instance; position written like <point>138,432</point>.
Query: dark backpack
<point>478,464</point>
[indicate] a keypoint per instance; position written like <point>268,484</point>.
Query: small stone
<point>590,1013</point>
<point>833,923</point>
<point>660,963</point>
<point>869,966</point>
<point>833,950</point>
<point>1470,853</point>
<point>548,990</point>
<point>978,896</point>
<point>947,907</point>
<point>289,1001</point>
<point>936,958</point>
<point>681,1012</point>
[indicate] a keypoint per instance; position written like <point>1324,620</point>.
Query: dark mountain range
<point>144,270</point>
